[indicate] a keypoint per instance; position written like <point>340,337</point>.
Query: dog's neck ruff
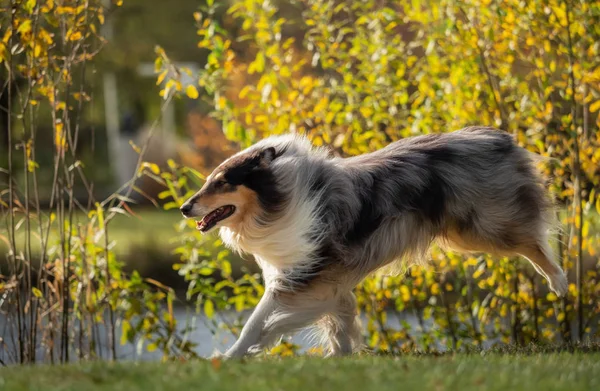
<point>288,239</point>
<point>286,242</point>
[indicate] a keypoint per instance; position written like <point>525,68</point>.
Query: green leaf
<point>170,205</point>
<point>205,271</point>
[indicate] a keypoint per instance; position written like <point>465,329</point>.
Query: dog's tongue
<point>208,220</point>
<point>213,218</point>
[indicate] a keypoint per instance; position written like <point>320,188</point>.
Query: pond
<point>202,335</point>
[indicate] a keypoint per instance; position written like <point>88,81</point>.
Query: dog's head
<point>242,187</point>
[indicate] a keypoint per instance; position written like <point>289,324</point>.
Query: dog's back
<point>453,180</point>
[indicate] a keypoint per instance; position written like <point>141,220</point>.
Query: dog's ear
<point>267,156</point>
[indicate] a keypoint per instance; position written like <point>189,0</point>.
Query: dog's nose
<point>186,208</point>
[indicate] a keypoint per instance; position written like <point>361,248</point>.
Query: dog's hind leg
<point>535,248</point>
<point>540,256</point>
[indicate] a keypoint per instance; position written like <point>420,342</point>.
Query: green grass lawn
<point>556,371</point>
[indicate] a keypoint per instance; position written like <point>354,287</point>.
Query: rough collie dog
<point>317,225</point>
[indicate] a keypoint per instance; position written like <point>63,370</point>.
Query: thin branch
<point>578,199</point>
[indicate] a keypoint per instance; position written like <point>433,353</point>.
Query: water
<point>207,343</point>
<point>202,335</point>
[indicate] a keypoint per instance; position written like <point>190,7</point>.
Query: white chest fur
<point>288,242</point>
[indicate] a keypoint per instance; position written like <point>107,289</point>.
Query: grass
<point>554,371</point>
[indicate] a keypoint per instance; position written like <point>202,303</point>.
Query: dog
<point>317,225</point>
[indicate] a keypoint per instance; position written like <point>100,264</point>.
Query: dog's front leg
<point>252,331</point>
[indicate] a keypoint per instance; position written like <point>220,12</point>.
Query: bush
<point>68,301</point>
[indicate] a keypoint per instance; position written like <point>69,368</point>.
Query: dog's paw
<point>255,350</point>
<point>559,284</point>
<point>216,354</point>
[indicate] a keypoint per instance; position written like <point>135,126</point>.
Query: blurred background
<point>125,106</point>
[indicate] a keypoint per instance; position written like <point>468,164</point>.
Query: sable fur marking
<point>318,225</point>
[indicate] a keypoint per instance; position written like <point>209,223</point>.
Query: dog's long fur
<point>318,225</point>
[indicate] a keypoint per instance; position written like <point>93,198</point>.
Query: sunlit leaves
<point>367,74</point>
<point>191,92</point>
<point>209,309</point>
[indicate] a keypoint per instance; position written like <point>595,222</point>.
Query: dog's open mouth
<point>211,219</point>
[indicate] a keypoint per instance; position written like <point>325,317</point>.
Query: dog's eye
<point>220,183</point>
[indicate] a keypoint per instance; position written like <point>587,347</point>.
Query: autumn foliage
<point>358,75</point>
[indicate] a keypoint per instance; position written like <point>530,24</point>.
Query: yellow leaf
<point>36,292</point>
<point>244,92</point>
<point>161,77</point>
<point>209,308</point>
<point>595,106</point>
<point>152,166</point>
<point>75,36</point>
<point>100,213</point>
<point>191,91</point>
<point>31,165</point>
<point>261,118</point>
<point>25,27</point>
<point>135,147</point>
<point>59,137</point>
